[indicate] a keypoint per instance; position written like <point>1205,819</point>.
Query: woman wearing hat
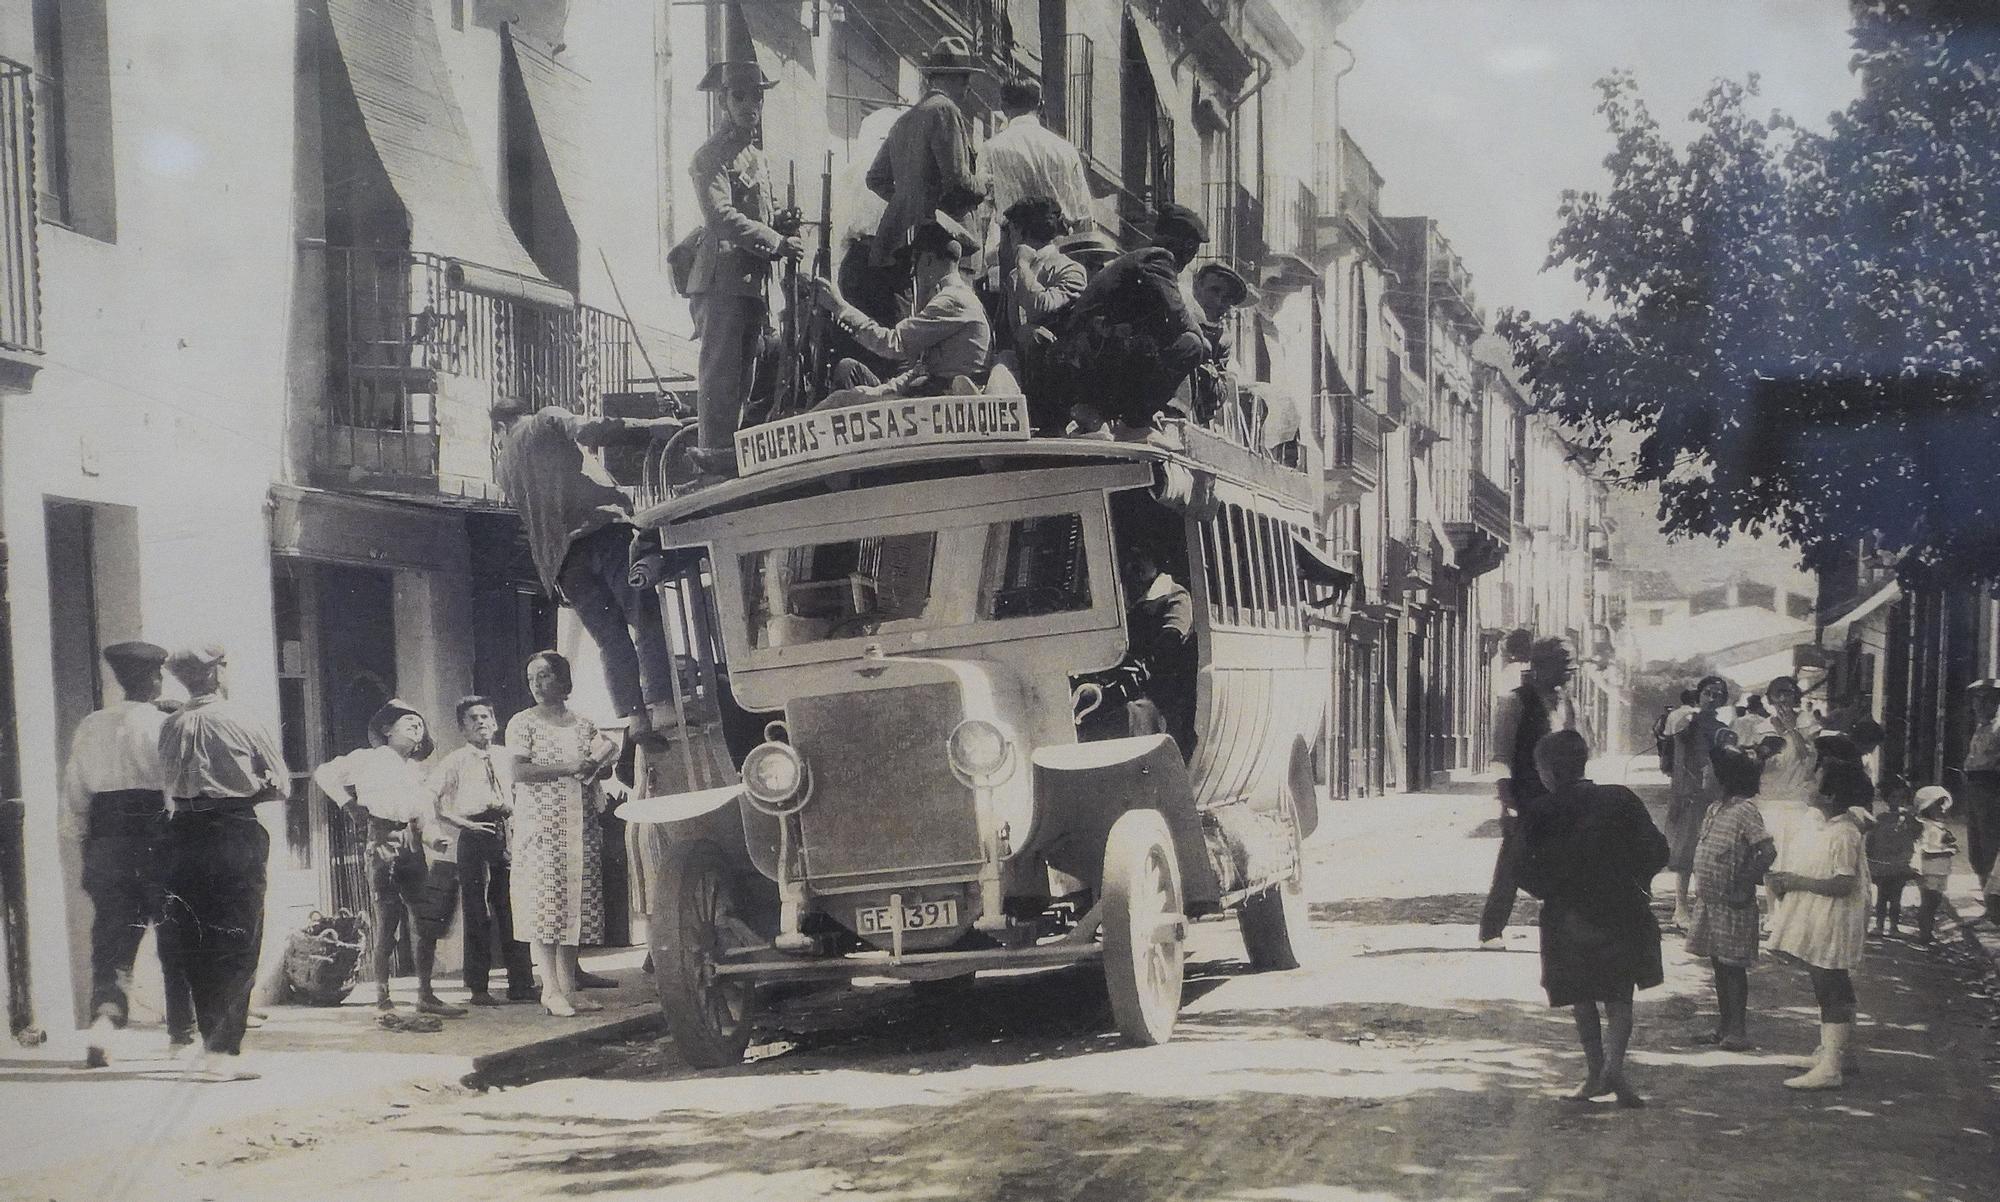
<point>383,783</point>
<point>1982,785</point>
<point>732,262</point>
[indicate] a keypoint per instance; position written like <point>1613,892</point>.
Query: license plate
<point>923,916</point>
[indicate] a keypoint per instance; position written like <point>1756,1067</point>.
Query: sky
<point>1480,112</point>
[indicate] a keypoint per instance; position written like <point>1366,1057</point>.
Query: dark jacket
<point>1129,339</point>
<point>1590,853</point>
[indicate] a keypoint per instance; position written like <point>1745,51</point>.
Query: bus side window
<point>1211,568</point>
<point>1246,575</point>
<point>1269,529</point>
<point>1227,569</point>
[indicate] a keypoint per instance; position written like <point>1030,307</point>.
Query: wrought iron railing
<point>20,267</point>
<point>399,327</point>
<point>1079,120</point>
<point>1423,556</point>
<point>1490,508</point>
<point>1354,441</point>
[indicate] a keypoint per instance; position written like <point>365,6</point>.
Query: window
<point>924,580</point>
<point>73,116</point>
<point>1246,572</point>
<point>863,68</point>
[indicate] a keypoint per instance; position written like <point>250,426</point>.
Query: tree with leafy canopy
<point>1799,333</point>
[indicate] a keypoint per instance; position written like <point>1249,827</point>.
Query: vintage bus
<point>889,616</point>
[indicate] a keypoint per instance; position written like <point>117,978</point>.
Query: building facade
<point>255,326</point>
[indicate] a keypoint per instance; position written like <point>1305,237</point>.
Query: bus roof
<point>1203,452</point>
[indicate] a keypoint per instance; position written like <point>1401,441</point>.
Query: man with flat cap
<point>926,163</point>
<point>1209,392</point>
<point>732,264</point>
<point>1135,332</point>
<point>114,808</point>
<point>944,341</point>
<point>219,764</point>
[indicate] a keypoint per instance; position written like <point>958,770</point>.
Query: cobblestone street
<point>1406,1064</point>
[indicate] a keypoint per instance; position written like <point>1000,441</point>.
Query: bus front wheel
<point>695,916</point>
<point>1143,927</point>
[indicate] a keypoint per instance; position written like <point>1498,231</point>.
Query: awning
<point>395,67</point>
<point>1835,632</point>
<point>1317,569</point>
<point>1427,513</point>
<point>557,98</point>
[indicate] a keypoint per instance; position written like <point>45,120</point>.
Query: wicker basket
<point>323,959</point>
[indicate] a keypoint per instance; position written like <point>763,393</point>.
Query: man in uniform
<point>113,806</point>
<point>1520,719</point>
<point>944,341</point>
<point>217,764</point>
<point>925,164</point>
<point>732,264</point>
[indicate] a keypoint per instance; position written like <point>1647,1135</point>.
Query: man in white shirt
<point>474,787</point>
<point>114,807</point>
<point>1027,159</point>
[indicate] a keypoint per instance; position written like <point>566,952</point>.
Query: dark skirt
<point>1598,957</point>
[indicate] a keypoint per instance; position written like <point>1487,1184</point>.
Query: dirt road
<point>1406,1064</point>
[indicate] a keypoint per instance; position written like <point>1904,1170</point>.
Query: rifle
<point>802,366</point>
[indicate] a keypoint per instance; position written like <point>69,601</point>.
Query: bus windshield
<point>918,581</point>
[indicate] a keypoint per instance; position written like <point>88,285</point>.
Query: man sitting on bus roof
<point>944,340</point>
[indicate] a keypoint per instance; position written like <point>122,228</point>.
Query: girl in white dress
<point>1821,920</point>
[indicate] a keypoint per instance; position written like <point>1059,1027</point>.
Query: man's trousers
<point>124,872</point>
<point>728,330</point>
<point>214,914</point>
<point>483,880</point>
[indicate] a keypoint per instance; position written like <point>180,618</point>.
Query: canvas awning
<point>1835,632</point>
<point>1317,569</point>
<point>557,99</point>
<point>395,67</point>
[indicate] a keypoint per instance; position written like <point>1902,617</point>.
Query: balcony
<point>1293,211</point>
<point>20,266</point>
<point>1353,448</point>
<point>1481,526</point>
<point>1422,570</point>
<point>1078,120</point>
<point>1235,218</point>
<point>417,363</point>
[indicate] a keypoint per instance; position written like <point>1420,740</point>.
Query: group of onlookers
<point>160,797</point>
<point>1763,799</point>
<point>507,834</point>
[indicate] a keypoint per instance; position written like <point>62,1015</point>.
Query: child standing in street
<point>1932,863</point>
<point>1820,919</point>
<point>383,782</point>
<point>1731,856</point>
<point>1891,846</point>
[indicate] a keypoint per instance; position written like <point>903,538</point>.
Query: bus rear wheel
<point>1143,927</point>
<point>697,910</point>
<point>1275,922</point>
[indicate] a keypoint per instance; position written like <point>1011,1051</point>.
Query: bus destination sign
<point>880,422</point>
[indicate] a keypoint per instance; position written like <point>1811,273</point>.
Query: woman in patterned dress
<point>558,885</point>
<point>1731,857</point>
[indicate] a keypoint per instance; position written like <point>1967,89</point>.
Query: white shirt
<point>385,784</point>
<point>116,748</point>
<point>1027,159</point>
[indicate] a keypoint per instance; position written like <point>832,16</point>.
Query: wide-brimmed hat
<point>1179,221</point>
<point>935,236</point>
<point>735,73</point>
<point>392,712</point>
<point>951,56</point>
<point>1089,246</point>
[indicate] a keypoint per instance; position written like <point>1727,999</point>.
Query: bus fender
<point>677,807</point>
<point>1081,789</point>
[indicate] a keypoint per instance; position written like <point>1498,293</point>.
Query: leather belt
<point>211,805</point>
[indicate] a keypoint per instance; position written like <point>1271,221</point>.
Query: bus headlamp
<point>774,777</point>
<point>980,750</point>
